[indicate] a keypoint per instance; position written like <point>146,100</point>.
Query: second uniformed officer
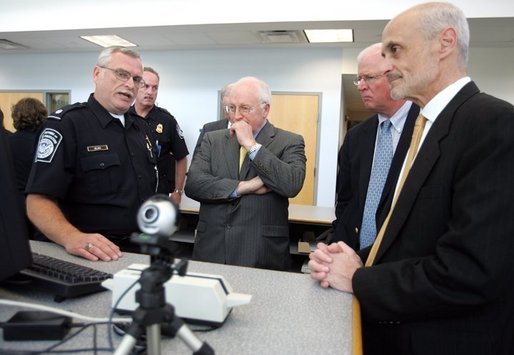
<point>171,147</point>
<point>94,165</point>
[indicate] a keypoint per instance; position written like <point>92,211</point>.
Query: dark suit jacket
<point>355,161</point>
<point>209,127</point>
<point>444,274</point>
<point>252,230</point>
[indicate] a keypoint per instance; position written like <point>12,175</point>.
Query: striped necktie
<point>381,163</point>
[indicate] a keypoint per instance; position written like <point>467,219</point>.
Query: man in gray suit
<point>243,216</point>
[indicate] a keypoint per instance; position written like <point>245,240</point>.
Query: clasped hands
<point>334,265</point>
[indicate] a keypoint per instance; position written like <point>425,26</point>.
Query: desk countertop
<point>297,213</point>
<point>289,312</point>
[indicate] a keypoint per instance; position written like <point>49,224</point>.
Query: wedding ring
<point>88,246</point>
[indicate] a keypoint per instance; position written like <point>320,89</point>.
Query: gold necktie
<point>419,125</point>
<point>242,156</point>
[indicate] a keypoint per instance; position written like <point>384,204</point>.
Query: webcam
<point>158,216</point>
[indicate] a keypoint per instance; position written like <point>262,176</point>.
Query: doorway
<point>299,113</point>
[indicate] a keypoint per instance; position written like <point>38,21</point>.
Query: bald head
<point>373,85</point>
<point>427,46</point>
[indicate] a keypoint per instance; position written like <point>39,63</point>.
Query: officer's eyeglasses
<point>368,79</point>
<point>243,109</point>
<point>124,76</point>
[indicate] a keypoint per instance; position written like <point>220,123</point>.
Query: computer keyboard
<point>65,279</point>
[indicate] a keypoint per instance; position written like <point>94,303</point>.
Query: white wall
<point>492,69</point>
<point>190,81</point>
<point>29,15</point>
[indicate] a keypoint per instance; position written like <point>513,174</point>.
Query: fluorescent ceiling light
<point>109,41</point>
<point>327,36</point>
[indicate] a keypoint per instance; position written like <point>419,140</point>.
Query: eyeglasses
<point>368,79</point>
<point>124,76</point>
<point>243,109</point>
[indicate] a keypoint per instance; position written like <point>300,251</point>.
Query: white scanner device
<point>197,298</point>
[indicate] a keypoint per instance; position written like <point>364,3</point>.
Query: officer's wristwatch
<point>177,191</point>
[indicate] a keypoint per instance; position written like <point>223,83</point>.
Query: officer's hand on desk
<point>92,246</point>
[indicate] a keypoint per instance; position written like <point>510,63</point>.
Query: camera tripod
<point>153,311</point>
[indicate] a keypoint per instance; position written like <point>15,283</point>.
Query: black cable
<point>111,315</point>
<point>51,348</point>
<point>95,344</point>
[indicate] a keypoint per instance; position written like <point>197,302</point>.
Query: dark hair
<point>28,114</point>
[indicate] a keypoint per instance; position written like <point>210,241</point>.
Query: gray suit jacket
<point>209,127</point>
<point>252,230</point>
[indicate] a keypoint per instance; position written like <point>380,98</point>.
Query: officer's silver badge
<point>49,141</point>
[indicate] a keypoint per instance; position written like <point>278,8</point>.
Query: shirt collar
<point>435,106</point>
<point>399,117</point>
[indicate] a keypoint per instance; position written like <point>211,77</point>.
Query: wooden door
<point>299,113</point>
<point>8,99</point>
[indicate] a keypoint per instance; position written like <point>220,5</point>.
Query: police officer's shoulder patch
<point>49,141</point>
<point>179,132</point>
<point>57,115</point>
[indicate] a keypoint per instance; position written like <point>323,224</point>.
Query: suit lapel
<point>366,144</point>
<point>425,160</point>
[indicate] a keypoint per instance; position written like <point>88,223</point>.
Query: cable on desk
<point>64,313</point>
<point>51,348</point>
<point>111,315</point>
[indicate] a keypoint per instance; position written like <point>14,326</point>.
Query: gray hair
<point>153,71</point>
<point>376,47</point>
<point>437,16</point>
<point>264,89</point>
<point>106,54</point>
<point>225,90</point>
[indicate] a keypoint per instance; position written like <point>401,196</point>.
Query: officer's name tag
<point>97,148</point>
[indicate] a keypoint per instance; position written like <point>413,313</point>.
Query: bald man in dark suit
<point>439,278</point>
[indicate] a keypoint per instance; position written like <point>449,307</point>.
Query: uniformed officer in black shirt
<point>95,164</point>
<point>170,145</point>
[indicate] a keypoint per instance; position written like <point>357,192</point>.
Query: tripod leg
<point>153,339</point>
<point>126,345</point>
<point>176,326</point>
<point>193,342</point>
